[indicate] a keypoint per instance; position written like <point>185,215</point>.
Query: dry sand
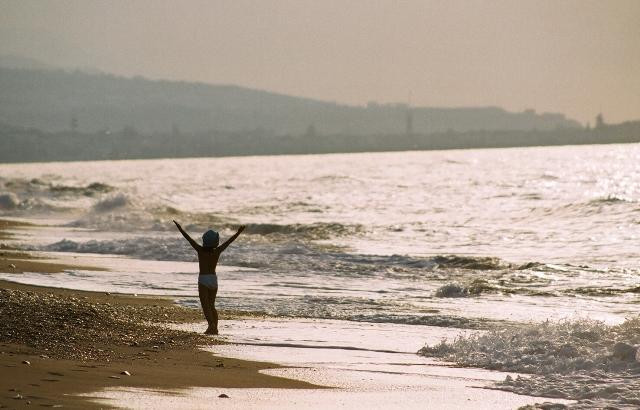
<point>56,343</point>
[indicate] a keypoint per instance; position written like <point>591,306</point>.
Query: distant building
<point>600,121</point>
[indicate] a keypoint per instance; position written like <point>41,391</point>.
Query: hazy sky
<point>576,57</point>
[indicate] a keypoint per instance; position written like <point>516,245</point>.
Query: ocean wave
<point>456,290</point>
<point>121,212</point>
<point>46,196</point>
<point>588,208</point>
<point>610,199</point>
<point>452,290</point>
<point>125,213</point>
<point>584,360</point>
<point>48,187</point>
<point>304,258</point>
<point>332,178</point>
<point>604,291</point>
<point>459,322</point>
<point>144,248</point>
<point>356,309</point>
<point>272,255</point>
<point>9,201</point>
<point>481,286</point>
<point>92,189</point>
<point>11,204</point>
<point>283,208</point>
<point>471,262</point>
<point>111,203</point>
<point>309,231</point>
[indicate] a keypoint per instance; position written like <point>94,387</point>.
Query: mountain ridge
<point>49,99</point>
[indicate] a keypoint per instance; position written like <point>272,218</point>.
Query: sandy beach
<point>56,343</point>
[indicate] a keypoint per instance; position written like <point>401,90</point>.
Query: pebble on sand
<point>28,363</point>
<point>125,372</point>
<point>223,396</point>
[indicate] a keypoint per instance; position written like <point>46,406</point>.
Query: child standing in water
<point>208,255</point>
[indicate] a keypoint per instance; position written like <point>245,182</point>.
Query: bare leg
<point>205,302</point>
<point>214,313</point>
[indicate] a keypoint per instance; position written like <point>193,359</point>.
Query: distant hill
<point>49,99</point>
<point>20,62</point>
<point>20,144</point>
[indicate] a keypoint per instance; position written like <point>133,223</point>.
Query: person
<point>208,255</point>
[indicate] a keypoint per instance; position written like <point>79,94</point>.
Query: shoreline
<point>56,344</point>
<point>88,349</point>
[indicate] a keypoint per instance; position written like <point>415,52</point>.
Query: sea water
<point>449,238</point>
<point>368,252</point>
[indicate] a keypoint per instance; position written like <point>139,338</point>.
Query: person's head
<point>210,239</point>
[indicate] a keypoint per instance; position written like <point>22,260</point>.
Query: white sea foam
<point>584,360</point>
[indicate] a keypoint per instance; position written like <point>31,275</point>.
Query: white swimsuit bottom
<point>209,281</point>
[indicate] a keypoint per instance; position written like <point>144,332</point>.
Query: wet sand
<point>58,343</point>
<point>368,366</point>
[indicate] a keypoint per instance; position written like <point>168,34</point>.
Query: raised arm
<point>233,238</point>
<point>193,243</point>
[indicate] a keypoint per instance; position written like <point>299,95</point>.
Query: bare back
<point>208,260</point>
<point>208,256</point>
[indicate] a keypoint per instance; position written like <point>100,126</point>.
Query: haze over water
<point>538,232</point>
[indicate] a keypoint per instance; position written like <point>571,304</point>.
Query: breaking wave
<point>111,203</point>
<point>11,204</point>
<point>471,262</point>
<point>307,231</point>
<point>302,259</point>
<point>92,189</point>
<point>9,201</point>
<point>39,186</point>
<point>144,248</point>
<point>476,278</point>
<point>357,309</point>
<point>584,360</point>
<point>588,208</point>
<point>26,196</point>
<point>476,288</point>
